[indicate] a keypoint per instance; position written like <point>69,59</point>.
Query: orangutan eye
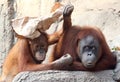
<point>42,46</point>
<point>37,46</point>
<point>93,47</point>
<point>86,47</point>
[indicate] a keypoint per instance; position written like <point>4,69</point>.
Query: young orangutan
<point>28,54</point>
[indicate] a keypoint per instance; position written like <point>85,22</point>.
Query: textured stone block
<point>65,76</point>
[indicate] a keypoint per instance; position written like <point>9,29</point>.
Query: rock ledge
<point>64,76</point>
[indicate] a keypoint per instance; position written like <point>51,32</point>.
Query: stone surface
<point>114,43</point>
<point>64,76</point>
<point>32,8</point>
<point>103,14</point>
<point>6,33</point>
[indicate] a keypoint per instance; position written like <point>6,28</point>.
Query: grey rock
<point>64,76</point>
<point>6,32</point>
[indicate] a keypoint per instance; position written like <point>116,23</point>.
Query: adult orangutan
<point>86,45</point>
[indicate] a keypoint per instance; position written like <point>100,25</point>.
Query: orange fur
<point>56,6</point>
